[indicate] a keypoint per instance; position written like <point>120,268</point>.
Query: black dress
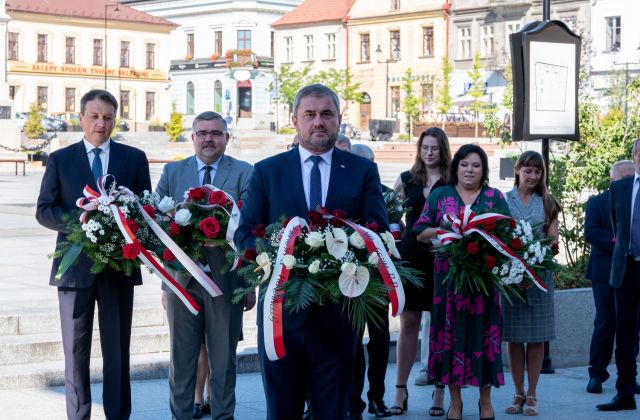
<point>416,253</point>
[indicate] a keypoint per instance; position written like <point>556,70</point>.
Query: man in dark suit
<point>68,171</point>
<point>625,279</point>
<point>220,321</point>
<point>599,234</point>
<point>320,341</point>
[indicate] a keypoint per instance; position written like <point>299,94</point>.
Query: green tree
<point>341,82</point>
<point>477,89</point>
<point>491,123</point>
<point>33,126</point>
<point>507,97</point>
<point>175,127</point>
<point>444,96</point>
<point>290,81</point>
<point>411,102</point>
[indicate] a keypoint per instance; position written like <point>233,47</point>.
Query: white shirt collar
<point>305,155</point>
<point>214,165</point>
<point>104,146</point>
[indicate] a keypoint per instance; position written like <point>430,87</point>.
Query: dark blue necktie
<point>634,244</point>
<point>96,168</point>
<point>315,184</point>
<point>206,179</point>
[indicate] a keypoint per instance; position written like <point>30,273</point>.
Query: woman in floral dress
<point>465,336</point>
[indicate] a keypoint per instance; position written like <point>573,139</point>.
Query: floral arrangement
<point>98,231</point>
<point>396,206</point>
<point>326,261</point>
<point>491,249</point>
<point>204,218</point>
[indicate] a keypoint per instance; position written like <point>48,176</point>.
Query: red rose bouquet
<point>489,249</point>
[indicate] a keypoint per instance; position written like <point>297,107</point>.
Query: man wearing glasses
<point>219,322</point>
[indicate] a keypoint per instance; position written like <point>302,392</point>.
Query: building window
<point>395,4</point>
<point>395,101</point>
<point>12,92</point>
<point>124,53</point>
<point>308,41</point>
<point>394,45</point>
<point>217,38</point>
<point>288,47</point>
<point>464,42</point>
<point>13,46</point>
<point>70,50</point>
<point>151,55</point>
<point>365,48</point>
<point>42,48</point>
<point>427,96</point>
<point>331,46</point>
<point>511,28</point>
<point>190,46</point>
<point>150,106</point>
<point>97,52</point>
<point>43,97</point>
<point>487,47</point>
<point>427,41</point>
<point>70,99</point>
<point>124,104</point>
<point>613,33</point>
<point>244,39</point>
<point>190,98</point>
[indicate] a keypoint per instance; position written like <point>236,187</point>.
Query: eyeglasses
<point>215,133</point>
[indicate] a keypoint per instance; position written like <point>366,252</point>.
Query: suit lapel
<point>626,201</point>
<point>190,176</point>
<point>222,173</point>
<point>339,168</point>
<point>292,171</point>
<point>115,161</point>
<point>83,164</point>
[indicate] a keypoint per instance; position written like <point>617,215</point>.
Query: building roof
<point>87,9</point>
<point>315,11</point>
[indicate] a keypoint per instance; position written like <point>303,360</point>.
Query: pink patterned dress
<point>465,336</point>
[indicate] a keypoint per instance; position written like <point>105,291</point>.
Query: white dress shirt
<point>104,156</point>
<point>201,165</point>
<point>325,171</point>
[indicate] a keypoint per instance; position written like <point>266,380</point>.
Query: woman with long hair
<point>429,171</point>
<point>464,338</point>
<point>529,323</point>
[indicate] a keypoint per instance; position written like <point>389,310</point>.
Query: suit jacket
<point>67,173</point>
<point>598,233</point>
<point>621,191</point>
<point>275,189</point>
<point>231,176</point>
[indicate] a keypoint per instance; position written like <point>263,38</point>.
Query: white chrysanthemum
<point>314,267</point>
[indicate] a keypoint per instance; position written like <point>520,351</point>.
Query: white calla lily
<point>314,239</point>
<point>263,264</point>
<point>373,258</point>
<point>337,242</point>
<point>353,280</point>
<point>391,244</point>
<point>289,261</point>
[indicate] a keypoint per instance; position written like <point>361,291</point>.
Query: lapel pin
<point>342,166</point>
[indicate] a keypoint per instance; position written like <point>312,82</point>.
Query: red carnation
<point>250,254</point>
<point>396,235</point>
<point>259,231</point>
<point>240,203</point>
<point>516,244</point>
<point>490,261</point>
<point>167,255</point>
<point>323,210</point>
<point>210,227</point>
<point>196,193</point>
<point>131,251</point>
<point>133,226</point>
<point>150,210</point>
<point>490,226</point>
<point>218,197</point>
<point>372,226</point>
<point>555,248</point>
<point>340,213</point>
<point>317,219</point>
<point>473,248</point>
<point>512,223</point>
<point>174,229</point>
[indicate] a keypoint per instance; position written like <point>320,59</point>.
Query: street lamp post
<point>106,5</point>
<point>386,61</point>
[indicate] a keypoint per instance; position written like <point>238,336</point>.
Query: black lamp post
<point>106,5</point>
<point>396,50</point>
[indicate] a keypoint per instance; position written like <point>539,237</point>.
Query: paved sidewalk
<point>560,396</point>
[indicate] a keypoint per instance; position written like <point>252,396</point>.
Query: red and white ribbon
<point>234,221</point>
<point>272,310</point>
<point>467,223</point>
<point>91,202</point>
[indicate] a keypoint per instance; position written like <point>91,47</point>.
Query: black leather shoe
<point>206,408</point>
<point>308,414</point>
<point>594,386</point>
<point>197,411</point>
<point>618,403</point>
<point>379,408</point>
<point>355,416</point>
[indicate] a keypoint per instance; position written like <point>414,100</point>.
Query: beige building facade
<point>53,58</point>
<point>385,39</point>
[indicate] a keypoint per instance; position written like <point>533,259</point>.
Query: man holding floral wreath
<point>320,340</point>
<point>219,322</point>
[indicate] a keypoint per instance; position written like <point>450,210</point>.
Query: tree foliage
<point>477,89</point>
<point>444,96</point>
<point>175,127</point>
<point>33,126</point>
<point>411,102</point>
<point>290,81</point>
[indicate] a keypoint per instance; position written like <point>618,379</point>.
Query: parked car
<point>53,124</point>
<point>21,119</point>
<point>71,118</point>
<point>124,126</point>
